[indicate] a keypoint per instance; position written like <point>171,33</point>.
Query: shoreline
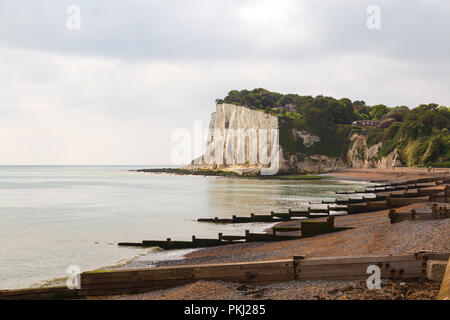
<point>165,256</point>
<point>372,233</point>
<point>370,175</point>
<point>366,176</point>
<point>265,227</point>
<point>324,245</point>
<point>232,174</point>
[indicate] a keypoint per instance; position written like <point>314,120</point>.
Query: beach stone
<point>436,269</point>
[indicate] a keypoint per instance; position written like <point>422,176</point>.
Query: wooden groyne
<point>430,211</point>
<point>314,228</point>
<point>274,216</point>
<point>52,293</point>
<point>307,229</point>
<point>203,243</point>
<point>385,197</point>
<point>297,268</point>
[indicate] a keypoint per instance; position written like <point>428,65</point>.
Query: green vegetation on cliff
<point>420,135</point>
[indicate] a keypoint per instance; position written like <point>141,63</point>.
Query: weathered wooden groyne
<point>297,268</point>
<point>426,211</point>
<point>390,196</point>
<point>274,216</point>
<point>385,197</point>
<point>169,244</point>
<point>307,229</point>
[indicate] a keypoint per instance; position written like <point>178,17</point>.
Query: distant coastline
<point>224,173</point>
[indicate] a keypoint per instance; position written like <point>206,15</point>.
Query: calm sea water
<point>53,217</point>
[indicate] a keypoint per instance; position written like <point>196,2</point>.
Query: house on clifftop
<point>288,107</point>
<point>365,123</point>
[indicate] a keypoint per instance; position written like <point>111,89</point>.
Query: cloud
<point>114,91</point>
<point>201,29</point>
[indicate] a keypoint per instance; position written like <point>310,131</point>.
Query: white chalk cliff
<point>229,119</point>
<point>236,134</point>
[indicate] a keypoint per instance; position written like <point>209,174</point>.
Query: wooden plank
<point>123,281</point>
<point>355,267</point>
<point>232,238</point>
<point>122,291</point>
<point>429,255</point>
<point>165,285</point>
<point>130,244</point>
<point>357,259</point>
<point>361,267</point>
<point>357,208</point>
<point>401,216</point>
<point>279,274</point>
<point>400,202</point>
<point>286,229</point>
<point>215,220</point>
<point>377,205</point>
<point>359,277</point>
<point>38,293</point>
<point>199,241</point>
<point>340,274</point>
<point>174,272</point>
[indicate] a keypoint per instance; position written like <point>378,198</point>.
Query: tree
<point>378,111</point>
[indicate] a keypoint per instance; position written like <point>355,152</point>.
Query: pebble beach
<point>371,233</point>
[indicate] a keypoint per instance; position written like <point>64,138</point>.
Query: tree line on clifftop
<point>420,135</point>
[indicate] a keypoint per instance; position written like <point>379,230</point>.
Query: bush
<point>388,147</point>
<point>390,132</point>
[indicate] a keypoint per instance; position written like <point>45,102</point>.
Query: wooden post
<point>220,236</point>
<point>330,222</point>
<point>443,212</point>
<point>444,293</point>
<point>193,238</point>
<point>388,202</point>
<point>392,215</point>
<point>434,209</point>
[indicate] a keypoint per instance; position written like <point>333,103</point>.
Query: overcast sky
<point>113,91</point>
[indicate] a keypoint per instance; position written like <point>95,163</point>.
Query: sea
<point>53,217</point>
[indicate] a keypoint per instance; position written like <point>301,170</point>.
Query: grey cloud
<point>115,90</point>
<point>200,29</point>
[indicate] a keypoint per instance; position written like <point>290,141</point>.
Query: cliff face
<point>229,119</point>
<point>232,127</point>
<point>361,156</point>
